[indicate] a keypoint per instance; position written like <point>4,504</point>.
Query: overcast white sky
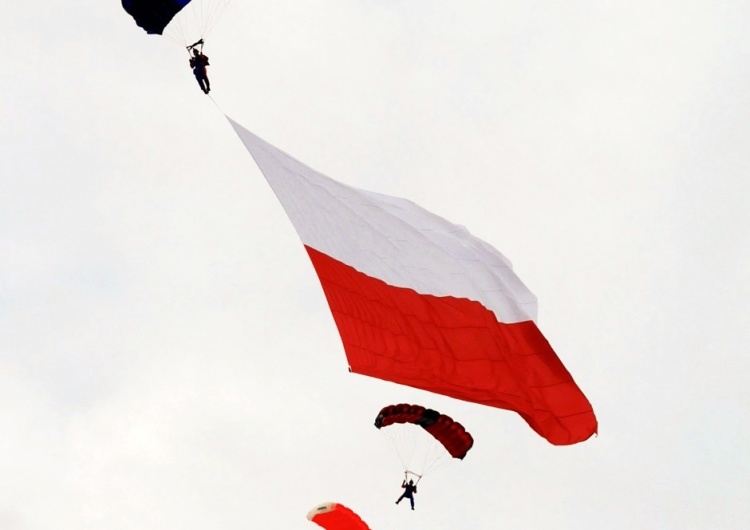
<point>167,357</point>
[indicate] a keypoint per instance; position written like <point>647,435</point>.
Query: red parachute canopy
<point>334,516</point>
<point>449,433</point>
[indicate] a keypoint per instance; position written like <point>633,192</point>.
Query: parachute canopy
<point>184,22</point>
<point>422,302</point>
<point>422,438</point>
<point>449,433</point>
<point>153,15</point>
<point>334,516</point>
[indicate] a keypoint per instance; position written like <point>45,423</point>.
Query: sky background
<point>167,357</point>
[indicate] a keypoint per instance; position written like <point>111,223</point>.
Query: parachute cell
<point>449,433</point>
<point>334,516</point>
<point>153,15</point>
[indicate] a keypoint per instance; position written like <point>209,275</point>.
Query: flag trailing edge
<point>421,301</point>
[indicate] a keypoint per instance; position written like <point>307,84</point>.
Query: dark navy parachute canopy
<point>153,15</point>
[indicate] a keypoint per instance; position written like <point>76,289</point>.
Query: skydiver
<point>411,490</point>
<point>198,63</point>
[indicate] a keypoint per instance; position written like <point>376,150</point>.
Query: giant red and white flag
<point>422,302</point>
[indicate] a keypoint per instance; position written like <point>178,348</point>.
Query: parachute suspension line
<point>429,454</point>
<point>410,443</point>
<point>435,460</point>
<point>198,16</point>
<point>412,439</point>
<point>405,440</point>
<point>175,32</point>
<point>418,452</point>
<point>206,14</point>
<point>194,21</point>
<point>394,435</point>
<point>217,7</point>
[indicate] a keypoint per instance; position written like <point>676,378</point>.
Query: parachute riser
<point>197,43</point>
<point>407,473</point>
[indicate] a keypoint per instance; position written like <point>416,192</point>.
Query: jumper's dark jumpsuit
<point>411,489</point>
<point>198,63</point>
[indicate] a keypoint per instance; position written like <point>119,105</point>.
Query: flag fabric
<point>422,302</point>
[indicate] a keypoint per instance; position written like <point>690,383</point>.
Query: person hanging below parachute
<point>423,439</point>
<point>180,21</point>
<point>449,434</point>
<point>199,62</point>
<point>410,489</point>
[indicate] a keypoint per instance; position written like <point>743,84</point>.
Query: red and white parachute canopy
<point>334,516</point>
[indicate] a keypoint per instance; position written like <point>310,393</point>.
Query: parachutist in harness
<point>198,63</point>
<point>410,490</point>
